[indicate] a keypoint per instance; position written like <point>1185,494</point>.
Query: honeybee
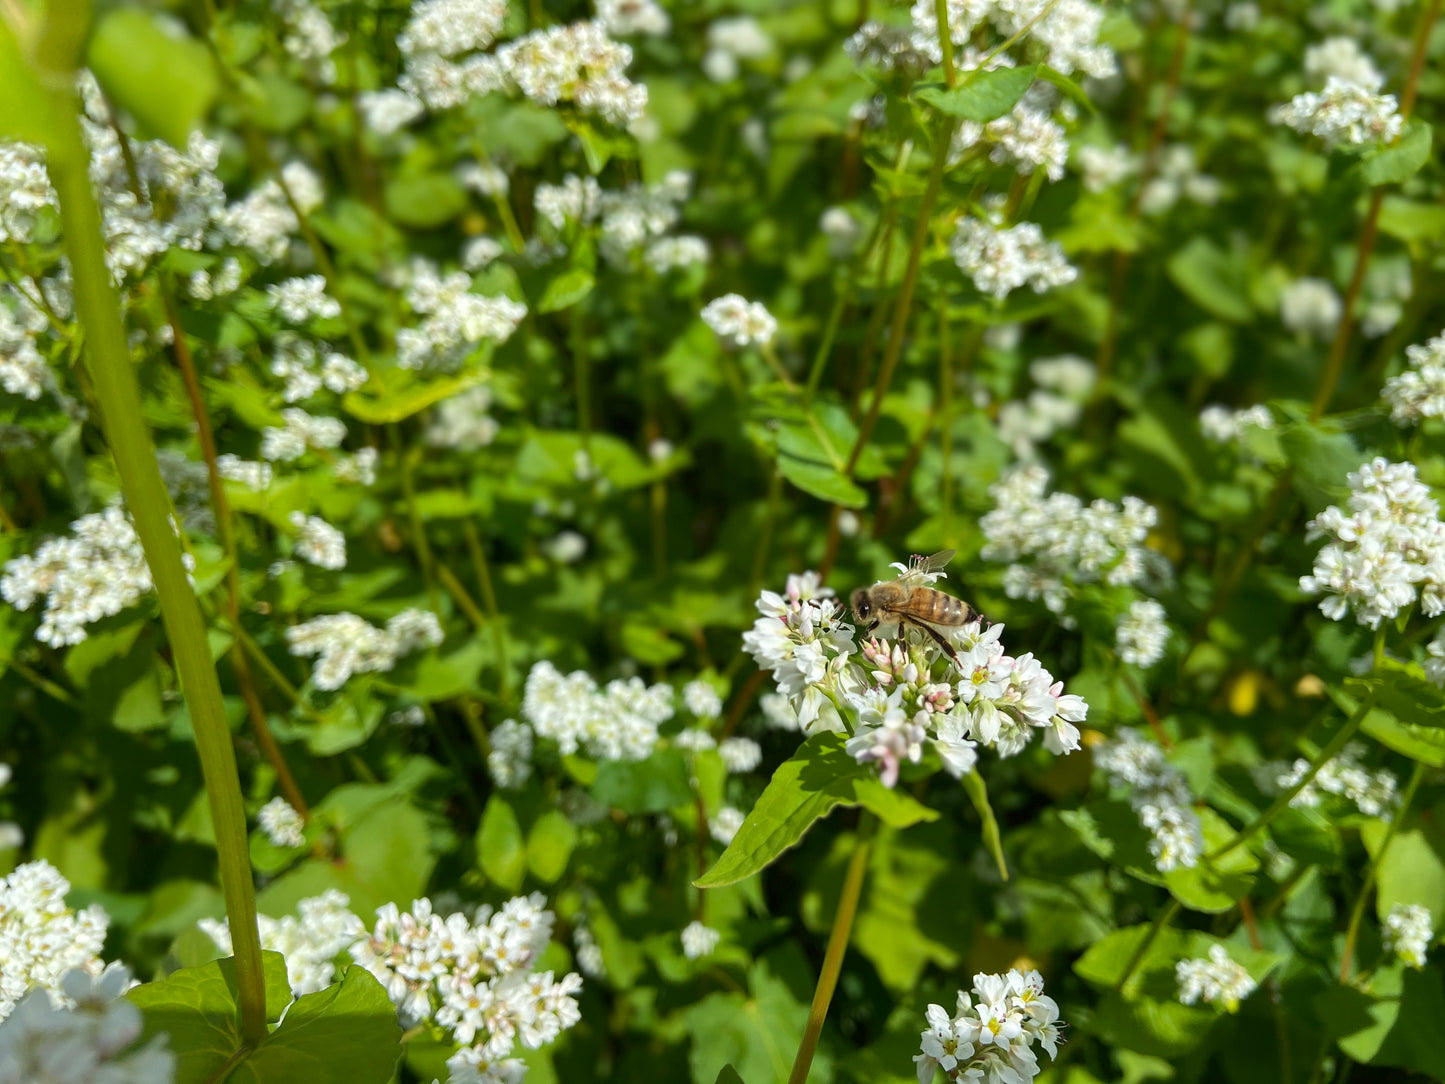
<point>909,600</point>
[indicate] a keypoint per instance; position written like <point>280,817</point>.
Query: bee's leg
<point>948,649</point>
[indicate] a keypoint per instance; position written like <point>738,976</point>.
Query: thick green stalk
<point>123,417</point>
<point>833,957</point>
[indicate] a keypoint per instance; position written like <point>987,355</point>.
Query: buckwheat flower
<point>702,699</point>
<point>1374,793</point>
<point>742,36</point>
<point>318,542</point>
<point>576,199</point>
<point>322,930</point>
<point>1343,112</point>
<point>451,27</point>
<point>1408,931</point>
<point>740,754</point>
<point>41,938</point>
<point>892,48</point>
<point>1386,548</point>
<point>1215,980</point>
<point>345,644</point>
<point>1176,176</point>
<point>1001,259</point>
<point>739,322</point>
<point>264,221</point>
<point>804,638</point>
<point>626,18</point>
<point>359,468</point>
<point>886,735</point>
<point>94,1041</point>
<point>253,475</point>
<point>388,111</point>
<point>1221,425</point>
<point>1102,168</point>
<point>98,570</point>
<point>565,547</point>
<point>510,761</point>
<point>1142,633</point>
<point>1027,139</point>
<point>618,722</point>
<point>1241,16</point>
<point>25,190</point>
<point>485,178</point>
<point>1159,794</point>
<point>578,64</point>
<point>1310,307</point>
<point>1053,541</point>
<point>281,824</point>
<point>462,421</point>
<point>724,824</point>
<point>479,253</point>
<point>456,321</point>
<point>675,253</point>
<point>1435,660</point>
<point>699,940</point>
<point>587,952</point>
<point>1343,59</point>
<point>298,432</point>
<point>842,230</point>
<point>778,711</point>
<point>1419,391</point>
<point>694,739</point>
<point>992,1033</point>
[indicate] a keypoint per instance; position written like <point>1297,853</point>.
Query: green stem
<point>419,541</point>
<point>837,946</point>
<point>1282,802</point>
<point>1163,919</point>
<point>123,418</point>
<point>945,417</point>
<point>1358,914</point>
<point>945,42</point>
<point>489,599</point>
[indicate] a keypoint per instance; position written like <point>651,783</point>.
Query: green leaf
<point>1212,278</point>
<point>397,394</point>
<point>425,201</point>
<point>977,791</point>
<point>1400,162</point>
<point>819,776</point>
<point>1395,1022</point>
<point>728,1075</point>
<point>566,289</point>
<point>197,1008</point>
<point>655,785</point>
<point>984,96</point>
<point>152,70</point>
<point>1403,690</point>
<point>23,102</point>
<point>1214,887</point>
<point>549,845</point>
<point>1412,870</point>
<point>1425,744</point>
<point>500,850</point>
<point>1321,459</point>
<point>822,482</point>
<point>345,1034</point>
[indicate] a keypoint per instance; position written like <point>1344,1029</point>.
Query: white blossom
<point>41,938</point>
<point>1342,58</point>
<point>724,824</point>
<point>303,298</point>
<point>1310,307</point>
<point>740,754</point>
<point>1408,932</point>
<point>509,762</point>
<point>1418,392</point>
<point>1344,112</point>
<point>1159,794</point>
<point>626,18</point>
<point>1001,259</point>
<point>1104,167</point>
<point>699,940</point>
<point>702,699</point>
<point>1225,426</point>
<point>1142,633</point>
<point>739,322</point>
<point>281,823</point>
<point>298,432</point>
<point>1374,793</point>
<point>992,1033</point>
<point>617,722</point>
<point>318,542</point>
<point>1217,979</point>
<point>346,644</point>
<point>455,320</point>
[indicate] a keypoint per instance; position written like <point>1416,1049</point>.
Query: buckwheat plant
<point>1216,980</point>
<point>993,1031</point>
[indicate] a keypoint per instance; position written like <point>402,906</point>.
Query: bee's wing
<point>936,562</point>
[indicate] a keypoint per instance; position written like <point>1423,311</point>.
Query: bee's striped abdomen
<point>941,609</point>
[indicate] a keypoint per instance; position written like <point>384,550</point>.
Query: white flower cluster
<point>739,322</point>
<point>1408,931</point>
<point>616,722</point>
<point>253,475</point>
<point>1054,541</point>
<point>1217,979</point>
<point>1344,112</point>
<point>1374,793</point>
<point>456,320</point>
<point>322,929</point>
<point>991,1036</point>
<point>474,977</point>
<point>41,938</point>
<point>731,41</point>
<point>634,219</point>
<point>578,64</point>
<point>1001,259</point>
<point>1311,307</point>
<point>1224,426</point>
<point>702,699</point>
<point>1026,138</point>
<point>317,542</point>
<point>1102,168</point>
<point>310,37</point>
<point>96,571</point>
<point>346,644</point>
<point>998,701</point>
<point>1160,796</point>
<point>298,432</point>
<point>699,940</point>
<point>303,298</point>
<point>94,1042</point>
<point>306,369</point>
<point>462,422</point>
<point>740,754</point>
<point>1176,175</point>
<point>1418,392</point>
<point>626,18</point>
<point>1386,549</point>
<point>1055,404</point>
<point>892,48</point>
<point>23,370</point>
<point>1343,59</point>
<point>1142,633</point>
<point>724,824</point>
<point>281,823</point>
<point>587,951</point>
<point>263,222</point>
<point>509,762</point>
<point>804,638</point>
<point>1067,31</point>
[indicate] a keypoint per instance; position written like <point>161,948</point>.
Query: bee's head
<point>862,608</point>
